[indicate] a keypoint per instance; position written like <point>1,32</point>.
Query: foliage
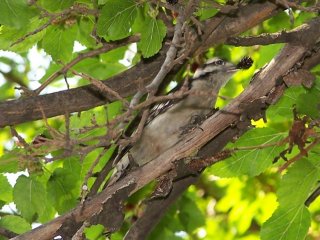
<point>242,197</point>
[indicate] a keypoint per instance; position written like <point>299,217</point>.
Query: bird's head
<point>219,71</point>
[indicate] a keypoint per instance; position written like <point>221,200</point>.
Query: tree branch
<point>294,36</point>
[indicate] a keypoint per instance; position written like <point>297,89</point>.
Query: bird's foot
<point>194,123</point>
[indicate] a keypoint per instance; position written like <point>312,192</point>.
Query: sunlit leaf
<point>94,232</point>
<point>116,19</point>
<point>258,151</point>
<point>9,35</point>
<point>9,162</point>
<point>287,224</point>
<point>15,224</point>
<point>152,37</point>
<point>292,219</point>
<point>15,13</point>
<point>5,190</point>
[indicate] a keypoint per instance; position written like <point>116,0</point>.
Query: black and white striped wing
<point>160,108</point>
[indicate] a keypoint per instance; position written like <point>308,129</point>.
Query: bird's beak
<point>245,63</point>
<point>232,69</point>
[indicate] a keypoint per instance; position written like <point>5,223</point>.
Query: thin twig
<point>83,56</point>
<point>299,155</point>
<point>61,17</point>
<point>101,86</point>
<point>167,64</point>
<point>79,234</point>
<point>39,29</point>
<point>258,146</point>
<point>21,140</point>
<point>314,195</point>
<point>268,38</point>
<point>294,5</point>
<point>93,165</point>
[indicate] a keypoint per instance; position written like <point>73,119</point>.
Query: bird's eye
<point>220,62</point>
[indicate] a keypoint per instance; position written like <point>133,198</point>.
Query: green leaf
<point>292,219</point>
<point>309,103</point>
<point>54,5</point>
<point>5,189</point>
<point>190,215</point>
<point>301,177</point>
<point>251,161</point>
<point>72,164</point>
<point>85,29</point>
<point>283,109</point>
<point>63,189</point>
<point>15,224</point>
<point>10,35</point>
<point>58,42</point>
<point>15,13</point>
<point>9,161</point>
<point>29,197</point>
<point>114,109</point>
<point>97,69</point>
<point>205,11</point>
<point>287,224</point>
<point>94,232</point>
<point>152,37</point>
<point>116,19</point>
<point>114,55</point>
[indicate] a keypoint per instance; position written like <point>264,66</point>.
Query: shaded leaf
<point>284,107</point>
<point>54,5</point>
<point>301,177</point>
<point>85,29</point>
<point>63,189</point>
<point>58,42</point>
<point>190,215</point>
<point>29,197</point>
<point>309,103</point>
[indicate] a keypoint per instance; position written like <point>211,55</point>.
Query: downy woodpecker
<point>164,130</point>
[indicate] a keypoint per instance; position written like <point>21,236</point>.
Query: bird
<point>168,119</point>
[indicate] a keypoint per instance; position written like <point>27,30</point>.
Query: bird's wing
<point>160,108</point>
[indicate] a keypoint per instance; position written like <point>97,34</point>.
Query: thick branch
<point>294,36</point>
<point>77,99</point>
